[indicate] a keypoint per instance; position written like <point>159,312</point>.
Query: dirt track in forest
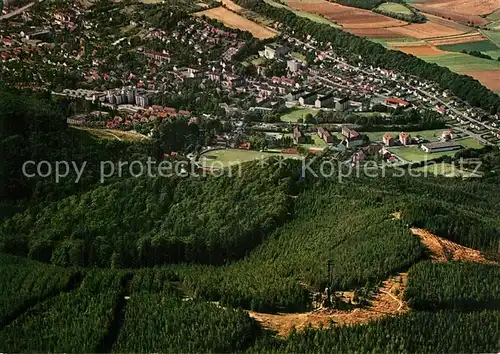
<point>385,303</point>
<point>388,301</point>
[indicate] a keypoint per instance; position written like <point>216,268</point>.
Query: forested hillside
<point>453,285</point>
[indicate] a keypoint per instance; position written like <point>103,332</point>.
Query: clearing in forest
<point>387,302</point>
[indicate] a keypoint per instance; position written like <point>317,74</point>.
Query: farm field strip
<point>234,20</point>
<point>308,15</point>
<point>347,17</point>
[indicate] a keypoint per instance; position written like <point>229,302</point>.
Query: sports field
<point>415,154</point>
<point>228,157</point>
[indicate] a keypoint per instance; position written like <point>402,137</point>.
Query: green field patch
<point>494,16</point>
<point>297,113</point>
<point>459,62</point>
<point>258,61</point>
<point>416,154</point>
<point>395,8</point>
<point>470,143</point>
<point>480,46</point>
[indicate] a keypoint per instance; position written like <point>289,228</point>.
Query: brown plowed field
<point>347,17</point>
<point>466,7</point>
<point>490,79</point>
<point>421,49</point>
<point>455,16</point>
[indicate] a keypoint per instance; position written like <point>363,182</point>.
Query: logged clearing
<point>387,302</point>
<point>110,134</point>
<point>426,30</point>
<point>443,250</point>
<point>347,17</point>
<point>489,78</point>
<point>234,20</point>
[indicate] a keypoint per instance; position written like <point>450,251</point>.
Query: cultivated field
<point>490,79</point>
<point>233,20</point>
<point>347,17</point>
<point>310,16</point>
<point>480,46</point>
<point>425,30</point>
<point>460,10</point>
<point>463,38</point>
<point>418,49</point>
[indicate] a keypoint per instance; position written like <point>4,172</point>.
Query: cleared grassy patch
<point>297,113</point>
<point>110,134</point>
<point>298,56</point>
<point>394,7</point>
<point>228,157</point>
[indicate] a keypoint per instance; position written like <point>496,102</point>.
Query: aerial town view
<point>254,176</point>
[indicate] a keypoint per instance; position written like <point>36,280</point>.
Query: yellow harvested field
<point>425,30</point>
<point>466,38</point>
<point>233,20</point>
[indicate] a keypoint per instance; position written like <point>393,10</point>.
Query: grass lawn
<point>298,56</point>
<point>463,62</point>
<point>470,143</point>
<point>299,13</point>
<point>317,143</point>
<point>480,46</point>
<point>297,113</point>
<point>415,154</point>
<point>228,157</point>
<point>395,7</point>
<point>426,134</point>
<point>258,61</point>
